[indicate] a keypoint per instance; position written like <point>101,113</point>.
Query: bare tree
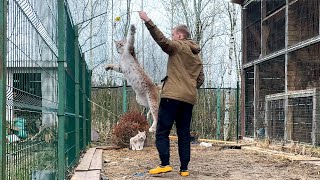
<point>232,56</point>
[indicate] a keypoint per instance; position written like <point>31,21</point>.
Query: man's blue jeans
<point>171,111</point>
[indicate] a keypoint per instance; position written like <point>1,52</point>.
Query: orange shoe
<point>160,169</point>
<point>184,173</point>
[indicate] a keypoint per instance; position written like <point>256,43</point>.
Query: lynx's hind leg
<point>152,98</point>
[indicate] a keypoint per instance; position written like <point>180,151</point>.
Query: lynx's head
<point>120,47</point>
<point>141,136</point>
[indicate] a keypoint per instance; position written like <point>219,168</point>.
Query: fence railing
<point>44,91</point>
<point>208,119</point>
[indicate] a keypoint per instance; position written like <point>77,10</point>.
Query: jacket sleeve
<point>166,44</point>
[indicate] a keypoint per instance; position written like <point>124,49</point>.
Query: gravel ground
<point>206,163</point>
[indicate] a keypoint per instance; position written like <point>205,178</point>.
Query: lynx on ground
<point>137,142</point>
<point>146,92</point>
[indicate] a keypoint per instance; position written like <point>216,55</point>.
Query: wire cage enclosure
<point>271,6</point>
<point>282,70</point>
<point>303,21</point>
<point>252,32</point>
<point>248,103</point>
<point>274,119</point>
<point>293,116</point>
<point>33,77</point>
<point>303,69</point>
<point>273,32</point>
<point>270,79</point>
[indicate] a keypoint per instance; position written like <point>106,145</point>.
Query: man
<point>178,93</point>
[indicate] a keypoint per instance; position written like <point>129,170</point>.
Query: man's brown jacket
<point>183,66</point>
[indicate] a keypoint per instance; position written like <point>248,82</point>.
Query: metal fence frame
<point>74,92</point>
<point>208,113</point>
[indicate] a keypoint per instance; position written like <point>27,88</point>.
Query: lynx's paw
<point>132,29</point>
<point>108,67</point>
<point>152,129</point>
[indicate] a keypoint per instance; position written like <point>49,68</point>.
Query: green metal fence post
<point>89,104</point>
<point>3,83</point>
<point>84,104</point>
<point>124,92</point>
<point>61,89</point>
<point>218,113</point>
<point>77,92</point>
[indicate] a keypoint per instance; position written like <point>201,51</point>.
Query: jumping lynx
<point>146,91</point>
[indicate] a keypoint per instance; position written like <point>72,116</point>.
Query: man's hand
<point>143,15</point>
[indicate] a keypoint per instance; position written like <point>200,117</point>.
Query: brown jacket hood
<point>183,66</point>
<point>195,48</point>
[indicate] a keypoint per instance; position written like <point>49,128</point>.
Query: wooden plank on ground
<point>93,175</point>
<point>86,175</point>
<point>96,162</point>
<point>109,147</point>
<point>86,160</point>
<point>289,156</point>
<point>219,142</point>
<point>79,175</point>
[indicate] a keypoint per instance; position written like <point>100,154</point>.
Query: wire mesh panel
<point>301,112</point>
<point>304,68</point>
<point>293,116</point>
<point>316,117</point>
<point>108,102</point>
<point>208,119</point>
<point>70,93</point>
<point>273,33</point>
<point>270,80</point>
<point>107,107</point>
<point>32,93</point>
<point>303,21</point>
<point>281,86</point>
<point>275,119</point>
<point>31,90</point>
<point>252,32</point>
<point>270,6</point>
<point>249,105</point>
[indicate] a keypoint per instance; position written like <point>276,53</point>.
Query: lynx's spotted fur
<point>146,92</point>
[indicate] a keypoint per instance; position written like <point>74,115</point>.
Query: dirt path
<point>206,163</point>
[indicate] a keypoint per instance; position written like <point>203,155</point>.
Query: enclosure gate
<point>45,118</point>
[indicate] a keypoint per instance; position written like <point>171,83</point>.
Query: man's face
<point>175,35</point>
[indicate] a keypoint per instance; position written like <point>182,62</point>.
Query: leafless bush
<point>128,126</point>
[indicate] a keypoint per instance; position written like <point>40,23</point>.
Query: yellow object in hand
<point>117,18</point>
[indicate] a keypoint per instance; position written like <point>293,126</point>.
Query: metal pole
<point>90,105</point>
<point>3,83</point>
<point>237,109</point>
<point>142,36</point>
<point>77,92</point>
<point>61,89</point>
<point>218,113</point>
<point>91,52</point>
<point>84,104</point>
<point>124,98</point>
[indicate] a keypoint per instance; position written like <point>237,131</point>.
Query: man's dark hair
<point>183,29</point>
